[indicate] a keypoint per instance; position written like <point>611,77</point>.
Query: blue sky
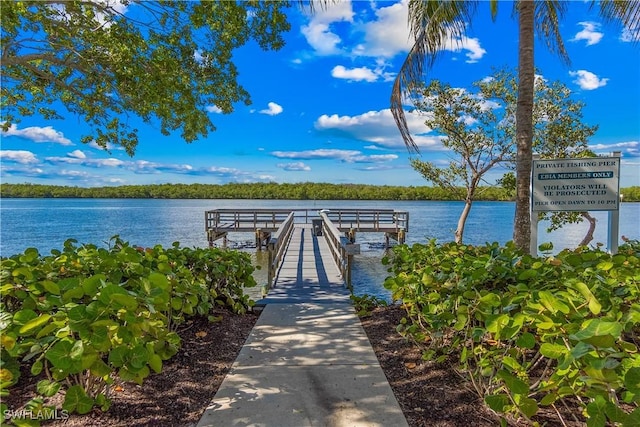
<point>320,109</point>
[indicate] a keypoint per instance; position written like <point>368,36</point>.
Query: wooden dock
<point>264,222</point>
<point>310,252</point>
<point>307,272</point>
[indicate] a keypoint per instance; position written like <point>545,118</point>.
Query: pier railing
<point>277,246</point>
<point>383,220</point>
<point>369,219</point>
<point>273,228</point>
<point>342,250</point>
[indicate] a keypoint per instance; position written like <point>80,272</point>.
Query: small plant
<point>364,304</point>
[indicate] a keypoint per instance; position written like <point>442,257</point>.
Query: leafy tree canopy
<point>164,61</point>
<point>479,129</point>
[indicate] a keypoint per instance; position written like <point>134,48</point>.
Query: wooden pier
<point>307,239</point>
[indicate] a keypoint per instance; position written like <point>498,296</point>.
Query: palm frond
<point>623,11</point>
<point>433,24</point>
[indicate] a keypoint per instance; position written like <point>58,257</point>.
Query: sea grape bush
<point>529,331</point>
<point>89,317</point>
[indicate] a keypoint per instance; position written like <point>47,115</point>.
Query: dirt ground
<point>429,394</point>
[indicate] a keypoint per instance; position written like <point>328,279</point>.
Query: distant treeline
<point>300,191</point>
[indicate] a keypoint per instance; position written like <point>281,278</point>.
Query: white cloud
<point>378,127</point>
<point>587,80</point>
<point>273,110</point>
<point>75,159</point>
<point>18,156</point>
<point>589,33</point>
<point>474,52</point>
<point>347,156</point>
<point>318,32</point>
<point>109,147</point>
<point>213,109</point>
<point>38,134</point>
<point>295,166</point>
<point>74,174</point>
<point>389,34</point>
<point>632,148</point>
<point>78,154</point>
<point>354,74</point>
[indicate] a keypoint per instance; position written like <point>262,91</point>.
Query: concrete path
<point>306,364</point>
<point>307,361</point>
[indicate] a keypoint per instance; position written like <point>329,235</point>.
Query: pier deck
<point>307,272</point>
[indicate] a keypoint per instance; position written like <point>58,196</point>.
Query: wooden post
<point>270,268</point>
<point>613,220</point>
<point>258,239</point>
<point>349,261</point>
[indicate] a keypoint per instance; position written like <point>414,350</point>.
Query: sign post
<point>576,185</point>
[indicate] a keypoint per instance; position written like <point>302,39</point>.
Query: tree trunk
<point>524,125</point>
<point>461,221</point>
<point>592,228</point>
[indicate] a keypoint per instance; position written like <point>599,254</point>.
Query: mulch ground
<point>429,394</point>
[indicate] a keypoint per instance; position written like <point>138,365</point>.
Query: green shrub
<point>528,331</point>
<point>89,317</point>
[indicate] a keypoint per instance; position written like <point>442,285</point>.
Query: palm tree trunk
<point>524,125</point>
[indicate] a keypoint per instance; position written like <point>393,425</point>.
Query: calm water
<point>46,223</point>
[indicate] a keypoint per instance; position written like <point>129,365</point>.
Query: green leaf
<point>51,287</point>
<point>497,402</point>
<point>553,351</point>
<point>138,358</point>
<point>77,350</point>
<point>159,280</point>
<point>551,303</point>
<point>22,317</point>
<point>594,306</point>
<point>633,420</point>
<point>605,265</point>
<point>528,406</point>
<point>490,299</point>
<point>22,271</point>
<point>514,384</point>
<point>37,367</point>
<point>90,285</point>
<point>527,275</point>
<point>581,349</point>
<point>548,399</point>
<point>47,388</point>
<point>545,247</point>
<point>31,326</point>
<point>128,301</point>
<point>599,333</point>
<point>76,400</point>
<point>73,294</point>
<point>526,340</point>
<point>118,355</point>
<point>58,354</point>
<point>596,412</point>
<point>155,362</point>
<point>99,368</point>
<point>632,380</point>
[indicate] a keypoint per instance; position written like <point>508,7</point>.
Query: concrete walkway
<point>307,361</point>
<point>306,364</point>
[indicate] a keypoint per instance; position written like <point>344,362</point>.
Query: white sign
<point>586,184</point>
